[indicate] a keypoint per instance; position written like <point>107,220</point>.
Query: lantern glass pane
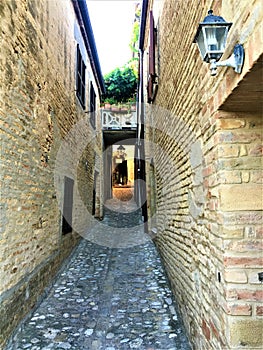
<point>211,39</point>
<point>221,35</point>
<point>215,40</point>
<point>201,43</point>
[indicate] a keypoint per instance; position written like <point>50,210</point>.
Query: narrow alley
<point>131,191</point>
<point>107,298</point>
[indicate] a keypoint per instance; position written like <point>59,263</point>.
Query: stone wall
<point>39,108</point>
<point>204,147</point>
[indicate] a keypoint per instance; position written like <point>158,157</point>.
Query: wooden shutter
<point>151,65</point>
<point>92,106</point>
<point>152,46</point>
<point>68,206</point>
<point>80,84</point>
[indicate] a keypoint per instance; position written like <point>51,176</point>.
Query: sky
<point>112,27</point>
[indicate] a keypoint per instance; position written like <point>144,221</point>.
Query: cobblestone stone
<point>106,299</point>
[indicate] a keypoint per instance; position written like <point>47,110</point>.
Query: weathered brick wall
<point>38,108</point>
<point>207,165</point>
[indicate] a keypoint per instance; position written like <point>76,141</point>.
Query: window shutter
<point>67,206</point>
<point>92,106</point>
<point>150,88</point>
<point>80,83</point>
<point>151,84</point>
<point>152,46</point>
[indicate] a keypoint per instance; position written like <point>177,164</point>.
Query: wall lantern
<point>85,164</point>
<point>120,157</point>
<point>211,40</point>
<point>121,150</point>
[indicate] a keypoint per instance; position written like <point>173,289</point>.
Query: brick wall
<point>38,109</point>
<point>205,151</point>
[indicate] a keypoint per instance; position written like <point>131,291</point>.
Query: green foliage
<point>135,37</point>
<point>133,64</point>
<point>120,85</point>
<point>109,100</point>
<point>134,42</point>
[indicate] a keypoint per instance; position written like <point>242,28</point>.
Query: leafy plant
<point>135,38</point>
<point>120,85</point>
<point>110,100</point>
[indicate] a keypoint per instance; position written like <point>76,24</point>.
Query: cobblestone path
<point>106,299</point>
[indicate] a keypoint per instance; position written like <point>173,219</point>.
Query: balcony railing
<point>118,120</point>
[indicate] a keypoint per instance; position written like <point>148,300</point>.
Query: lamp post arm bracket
<point>236,60</point>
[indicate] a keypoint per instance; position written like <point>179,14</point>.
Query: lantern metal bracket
<point>236,61</point>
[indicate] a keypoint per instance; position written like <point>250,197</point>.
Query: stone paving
<point>106,298</point>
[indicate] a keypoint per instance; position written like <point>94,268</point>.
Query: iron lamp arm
<point>236,61</point>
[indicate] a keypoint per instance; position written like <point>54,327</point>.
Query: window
<point>152,82</point>
<point>67,206</point>
<point>94,193</point>
<point>80,88</point>
<point>92,106</point>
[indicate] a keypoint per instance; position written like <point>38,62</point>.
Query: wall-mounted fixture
<point>121,150</point>
<point>85,164</point>
<point>211,40</point>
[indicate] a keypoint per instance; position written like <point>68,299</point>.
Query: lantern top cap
<point>210,19</point>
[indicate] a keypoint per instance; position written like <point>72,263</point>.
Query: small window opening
<point>152,75</point>
<point>92,103</point>
<point>67,206</point>
<point>81,71</point>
